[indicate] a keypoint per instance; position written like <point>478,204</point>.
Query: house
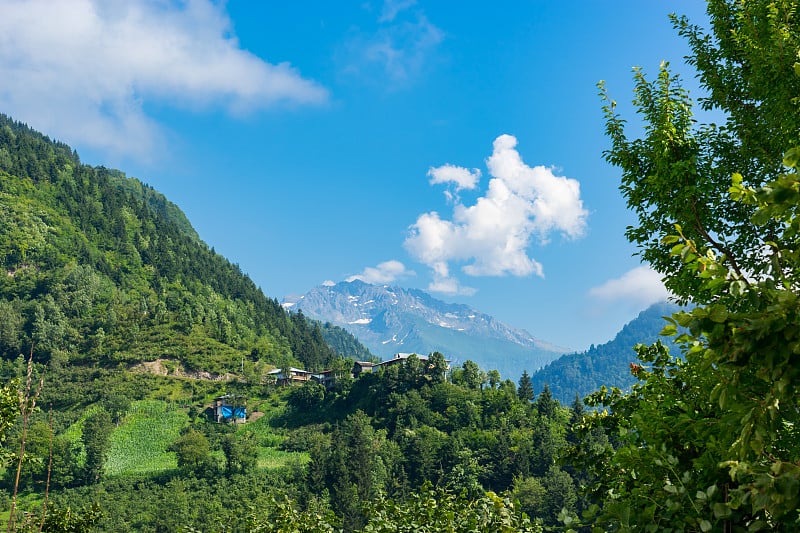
<point>293,375</point>
<point>326,377</point>
<point>400,358</point>
<point>230,408</point>
<point>361,367</point>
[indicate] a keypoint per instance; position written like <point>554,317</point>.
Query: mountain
<point>389,320</point>
<point>607,364</point>
<point>100,271</point>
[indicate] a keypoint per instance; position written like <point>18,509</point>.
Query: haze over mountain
<point>390,319</point>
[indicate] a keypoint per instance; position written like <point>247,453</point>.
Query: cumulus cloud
<point>639,287</point>
<point>83,69</point>
<point>450,285</point>
<point>328,283</point>
<point>386,272</point>
<point>463,178</point>
<point>492,237</point>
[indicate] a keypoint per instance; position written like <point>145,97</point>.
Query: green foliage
<point>192,451</point>
<point>283,516</point>
<point>525,389</point>
<point>65,520</point>
<point>96,437</point>
<point>707,441</point>
<point>9,411</point>
<point>437,510</point>
<point>140,444</point>
<point>241,452</point>
<point>306,397</point>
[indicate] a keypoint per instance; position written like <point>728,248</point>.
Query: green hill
<point>102,272</point>
<point>607,364</point>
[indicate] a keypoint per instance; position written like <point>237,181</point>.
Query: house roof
<point>292,370</point>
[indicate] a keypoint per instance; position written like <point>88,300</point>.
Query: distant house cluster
<point>293,375</point>
<point>233,407</point>
<point>328,377</point>
<point>366,366</point>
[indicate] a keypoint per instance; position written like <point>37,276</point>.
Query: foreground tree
<point>709,441</point>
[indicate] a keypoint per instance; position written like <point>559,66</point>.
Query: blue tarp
<point>229,411</point>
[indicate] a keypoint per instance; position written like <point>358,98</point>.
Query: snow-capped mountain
<point>389,320</point>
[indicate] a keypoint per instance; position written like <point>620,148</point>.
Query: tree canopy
<point>708,439</point>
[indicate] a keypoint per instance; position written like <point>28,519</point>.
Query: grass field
<point>140,444</point>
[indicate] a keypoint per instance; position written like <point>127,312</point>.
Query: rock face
<point>392,319</point>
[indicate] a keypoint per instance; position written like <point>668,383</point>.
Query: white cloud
<point>493,236</point>
<point>639,287</point>
<point>83,69</point>
<point>449,285</point>
<point>398,49</point>
<point>463,178</point>
<point>328,283</point>
<point>386,272</point>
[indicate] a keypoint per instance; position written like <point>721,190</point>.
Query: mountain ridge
<point>606,364</point>
<point>390,319</point>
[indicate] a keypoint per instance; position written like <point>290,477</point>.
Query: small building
<point>293,375</point>
<point>230,408</point>
<point>326,378</point>
<point>401,358</point>
<point>363,367</point>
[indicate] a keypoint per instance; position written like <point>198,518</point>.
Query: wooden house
<point>363,367</point>
<point>293,375</point>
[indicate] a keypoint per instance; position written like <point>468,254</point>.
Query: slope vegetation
<point>99,271</point>
<point>607,364</point>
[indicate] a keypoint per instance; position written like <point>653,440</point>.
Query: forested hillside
<point>607,364</point>
<point>134,326</point>
<point>103,270</point>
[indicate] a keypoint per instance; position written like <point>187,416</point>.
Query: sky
<point>454,147</point>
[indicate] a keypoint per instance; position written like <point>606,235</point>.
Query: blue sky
<point>453,147</point>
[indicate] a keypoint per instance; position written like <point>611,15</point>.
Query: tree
<point>494,378</point>
<point>545,404</point>
<point>241,452</point>
<point>437,368</point>
<point>679,173</point>
<point>472,375</point>
<point>96,438</point>
<point>307,397</point>
<point>708,440</point>
<point>357,467</point>
<point>192,451</point>
<point>576,415</point>
<point>525,390</point>
<point>9,411</point>
<point>437,510</point>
